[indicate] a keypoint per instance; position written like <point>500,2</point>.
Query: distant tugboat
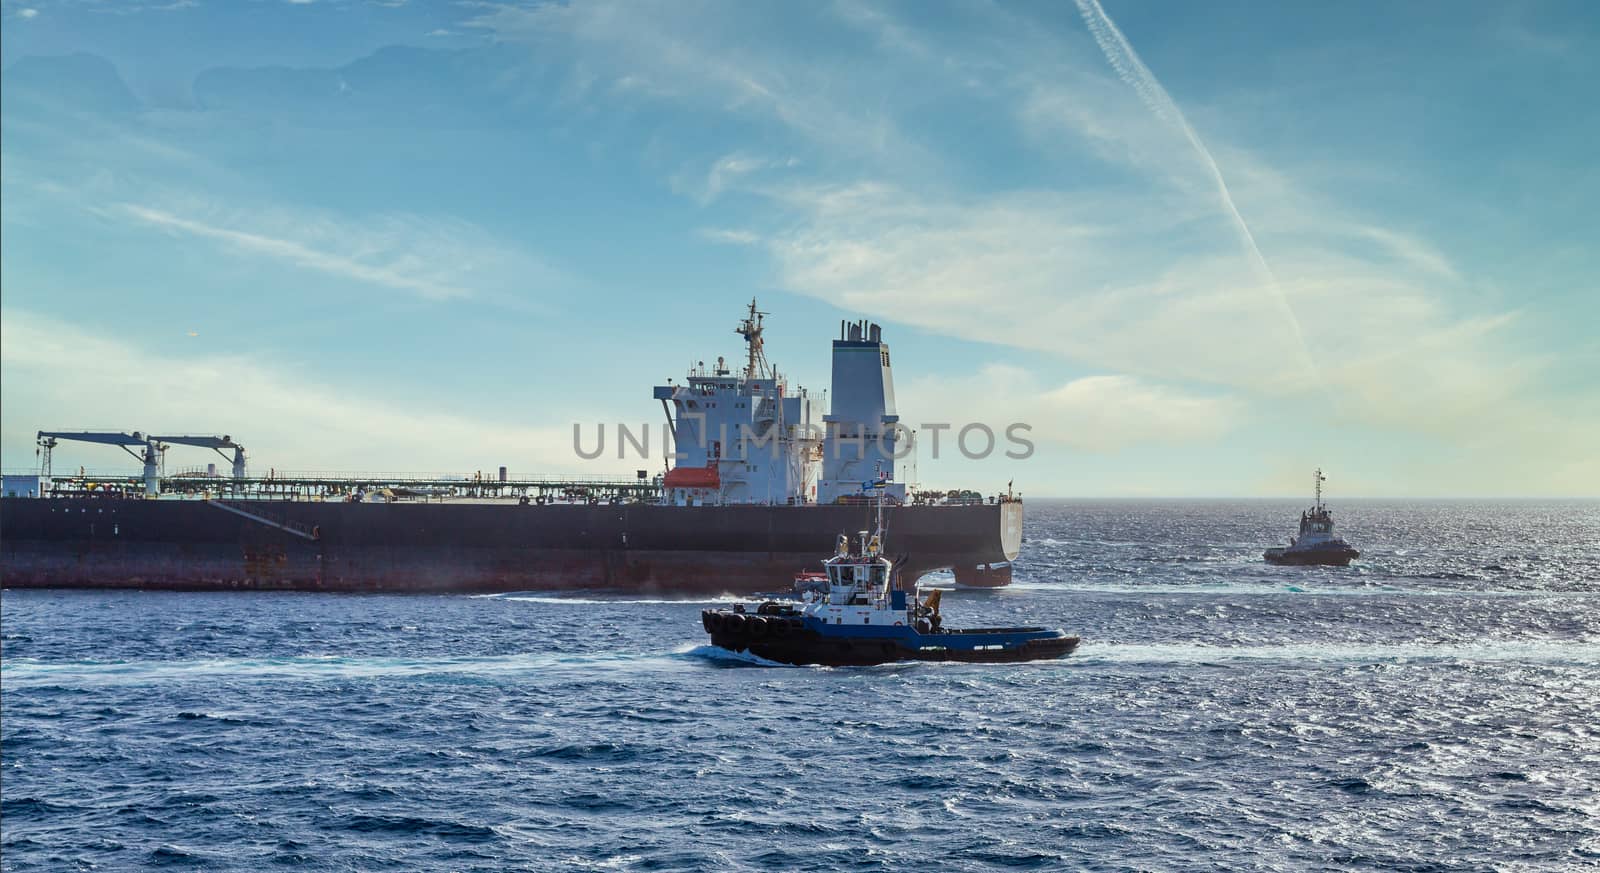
<point>1316,543</point>
<point>857,617</point>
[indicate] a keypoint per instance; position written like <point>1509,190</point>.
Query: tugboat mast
<point>878,486</point>
<point>1320,479</point>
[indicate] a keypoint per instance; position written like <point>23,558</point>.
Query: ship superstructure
<point>741,437</point>
<point>746,437</point>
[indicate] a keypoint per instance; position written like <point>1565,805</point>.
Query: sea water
<point>1436,706</point>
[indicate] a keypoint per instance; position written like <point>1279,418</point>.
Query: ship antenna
<point>750,328</point>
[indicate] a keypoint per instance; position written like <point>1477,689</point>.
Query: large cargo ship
<point>761,476</point>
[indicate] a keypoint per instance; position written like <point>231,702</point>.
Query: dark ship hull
<point>1328,556</point>
<point>468,547</point>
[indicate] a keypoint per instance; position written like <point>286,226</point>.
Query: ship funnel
<point>863,432</point>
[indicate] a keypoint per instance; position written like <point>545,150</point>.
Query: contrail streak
<point>1131,70</point>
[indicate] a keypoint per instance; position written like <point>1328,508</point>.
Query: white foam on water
<point>26,672</point>
<point>717,653</point>
<point>592,601</point>
<point>1308,588</point>
<point>1570,652</point>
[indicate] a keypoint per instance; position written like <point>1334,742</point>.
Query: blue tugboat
<point>1316,542</point>
<point>859,618</point>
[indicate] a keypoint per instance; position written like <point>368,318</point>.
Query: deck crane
<point>211,442</point>
<point>150,456</point>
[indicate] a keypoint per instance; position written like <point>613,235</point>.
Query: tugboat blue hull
<point>1329,557</point>
<point>792,642</point>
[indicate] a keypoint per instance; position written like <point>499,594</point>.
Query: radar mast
<point>750,328</point>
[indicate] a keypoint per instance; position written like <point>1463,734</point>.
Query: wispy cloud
<point>136,7</point>
<point>1099,414</point>
<point>1071,276</point>
<point>394,274</point>
<point>432,259</point>
<point>1045,271</point>
<point>730,237</point>
<point>725,172</point>
<point>678,57</point>
<point>1133,71</point>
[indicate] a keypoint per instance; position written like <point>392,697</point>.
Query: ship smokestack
<point>862,433</point>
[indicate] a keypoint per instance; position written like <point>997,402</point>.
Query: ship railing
<point>487,477</point>
<point>457,477</point>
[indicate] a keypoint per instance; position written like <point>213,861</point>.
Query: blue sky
<point>1200,248</point>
